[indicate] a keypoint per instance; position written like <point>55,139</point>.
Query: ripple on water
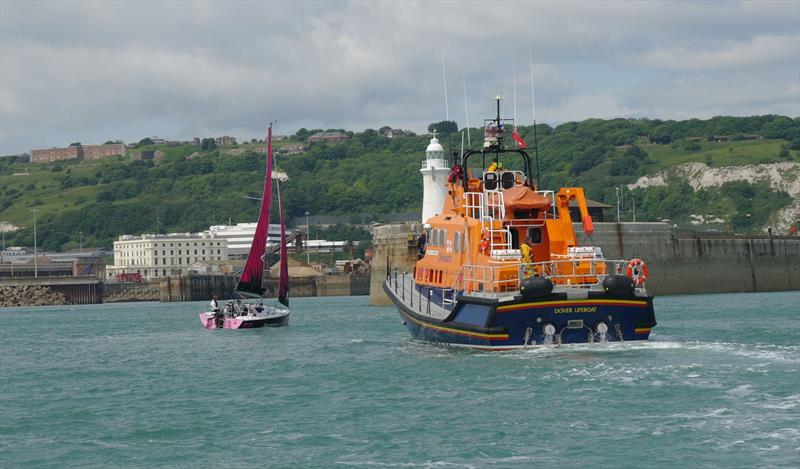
<point>142,385</point>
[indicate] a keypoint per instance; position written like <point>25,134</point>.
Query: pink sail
<point>283,285</point>
<point>251,280</point>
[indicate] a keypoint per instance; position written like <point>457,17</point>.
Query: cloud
<point>93,71</point>
<point>758,51</point>
<point>587,106</point>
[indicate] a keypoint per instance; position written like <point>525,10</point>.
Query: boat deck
<point>404,288</point>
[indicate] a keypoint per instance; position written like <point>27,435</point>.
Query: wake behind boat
<point>500,266</point>
<point>251,280</point>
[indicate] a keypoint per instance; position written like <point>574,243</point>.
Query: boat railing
<point>552,196</point>
<point>418,299</point>
<point>479,280</point>
<point>435,163</point>
<point>473,205</point>
<point>566,274</point>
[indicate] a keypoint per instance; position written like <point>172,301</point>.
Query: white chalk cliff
<point>784,176</point>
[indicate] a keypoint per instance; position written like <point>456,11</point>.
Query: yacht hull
<point>278,319</point>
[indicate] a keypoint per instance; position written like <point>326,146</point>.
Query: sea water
<point>142,384</point>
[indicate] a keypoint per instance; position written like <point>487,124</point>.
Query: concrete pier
<point>395,247</point>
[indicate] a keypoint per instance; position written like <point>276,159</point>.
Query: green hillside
<point>191,187</point>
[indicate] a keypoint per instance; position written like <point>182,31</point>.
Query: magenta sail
<point>240,315</point>
<point>251,280</point>
<point>283,285</point>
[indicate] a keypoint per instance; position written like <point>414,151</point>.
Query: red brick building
<point>327,137</point>
<point>88,152</point>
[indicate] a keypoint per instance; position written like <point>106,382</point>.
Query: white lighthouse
<point>434,179</point>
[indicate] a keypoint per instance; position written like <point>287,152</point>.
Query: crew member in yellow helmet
<point>495,166</point>
<point>527,259</point>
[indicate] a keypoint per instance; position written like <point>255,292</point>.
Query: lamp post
<point>308,235</point>
<point>35,252</point>
<point>80,242</point>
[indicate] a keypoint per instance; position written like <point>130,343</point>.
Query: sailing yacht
<point>250,284</point>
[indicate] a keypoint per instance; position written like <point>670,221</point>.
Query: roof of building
<point>590,204</point>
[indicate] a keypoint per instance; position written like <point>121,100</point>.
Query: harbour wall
<point>201,287</point>
<point>679,262</point>
<point>683,262</point>
<point>33,291</point>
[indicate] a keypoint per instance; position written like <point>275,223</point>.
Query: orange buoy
<point>637,271</point>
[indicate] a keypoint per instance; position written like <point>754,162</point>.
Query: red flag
<point>517,138</point>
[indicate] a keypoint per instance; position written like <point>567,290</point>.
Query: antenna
<point>444,84</point>
<point>515,100</point>
<point>466,109</point>
<point>533,110</point>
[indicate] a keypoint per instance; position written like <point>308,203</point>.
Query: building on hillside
<point>279,137</point>
<point>595,210</point>
<point>54,154</point>
<point>291,149</point>
<point>78,152</point>
<point>226,140</point>
<point>147,155</point>
<point>397,133</point>
<point>327,137</point>
<point>156,256</point>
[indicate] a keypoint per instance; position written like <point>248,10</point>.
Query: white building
<point>240,237</point>
<point>154,256</point>
<point>434,180</point>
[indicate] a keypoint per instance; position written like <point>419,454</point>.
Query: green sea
<point>143,385</point>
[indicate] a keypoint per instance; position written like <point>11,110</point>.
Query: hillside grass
<point>734,153</point>
<point>190,189</point>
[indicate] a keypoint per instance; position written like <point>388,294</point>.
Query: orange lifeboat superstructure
<point>500,265</point>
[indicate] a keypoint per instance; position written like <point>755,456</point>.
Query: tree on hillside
<point>208,144</point>
<point>629,162</point>
<point>444,127</point>
<point>75,144</point>
<point>145,141</point>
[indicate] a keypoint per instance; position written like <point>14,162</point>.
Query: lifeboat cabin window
<point>490,181</point>
<point>507,180</point>
<point>535,234</point>
<point>456,241</point>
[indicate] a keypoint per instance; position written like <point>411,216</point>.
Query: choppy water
<point>344,385</point>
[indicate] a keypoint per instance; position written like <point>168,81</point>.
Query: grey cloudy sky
<point>96,71</point>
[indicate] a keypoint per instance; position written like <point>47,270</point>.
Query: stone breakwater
<point>30,295</point>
